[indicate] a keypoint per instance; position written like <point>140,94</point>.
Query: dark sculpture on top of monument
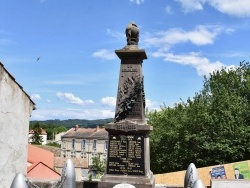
<point>132,34</point>
<point>130,104</point>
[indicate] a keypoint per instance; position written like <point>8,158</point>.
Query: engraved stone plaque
<point>126,155</point>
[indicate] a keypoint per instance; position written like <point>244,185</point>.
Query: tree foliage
<point>211,128</point>
<point>69,123</point>
<point>36,138</point>
<point>98,165</point>
<point>54,127</point>
<point>51,129</point>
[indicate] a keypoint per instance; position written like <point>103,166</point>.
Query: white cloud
<point>201,35</point>
<point>202,65</point>
<point>115,34</point>
<point>66,82</point>
<point>105,54</point>
<point>48,101</point>
<point>35,97</point>
<point>169,9</point>
<point>90,114</point>
<point>138,2</point>
<point>151,105</point>
<point>191,5</point>
<point>238,8</point>
<point>70,98</point>
<point>109,101</point>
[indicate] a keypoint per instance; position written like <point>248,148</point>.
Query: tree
<point>211,128</point>
<point>98,166</point>
<point>36,138</point>
<point>51,129</point>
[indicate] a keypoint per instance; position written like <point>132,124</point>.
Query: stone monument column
<point>128,152</point>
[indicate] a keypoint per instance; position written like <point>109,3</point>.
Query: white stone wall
<point>83,152</point>
<point>15,110</point>
<point>58,137</point>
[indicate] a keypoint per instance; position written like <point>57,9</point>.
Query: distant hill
<point>72,122</point>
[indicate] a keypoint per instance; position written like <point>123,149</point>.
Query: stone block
<point>230,183</point>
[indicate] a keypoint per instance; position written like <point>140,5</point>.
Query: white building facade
<point>43,135</point>
<point>85,143</point>
<point>15,110</point>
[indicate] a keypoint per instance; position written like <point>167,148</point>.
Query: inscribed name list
<point>126,155</point>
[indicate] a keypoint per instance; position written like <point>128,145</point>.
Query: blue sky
<point>77,73</point>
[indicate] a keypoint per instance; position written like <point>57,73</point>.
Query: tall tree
<point>36,138</point>
<point>211,128</point>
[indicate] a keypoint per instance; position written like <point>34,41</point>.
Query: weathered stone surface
<point>215,183</point>
<point>130,103</point>
<point>124,185</point>
<point>137,181</point>
<point>15,110</point>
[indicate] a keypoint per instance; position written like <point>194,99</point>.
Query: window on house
<point>64,144</point>
<point>83,144</point>
<point>105,145</point>
<point>83,155</point>
<point>73,154</point>
<point>73,143</point>
<point>94,144</point>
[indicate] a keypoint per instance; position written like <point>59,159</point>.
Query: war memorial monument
<point>129,152</point>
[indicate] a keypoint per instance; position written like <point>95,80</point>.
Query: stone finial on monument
<point>128,152</point>
<point>68,177</point>
<point>191,176</point>
<point>198,184</point>
<point>19,181</point>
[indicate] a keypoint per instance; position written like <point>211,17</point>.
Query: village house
<point>83,144</point>
<point>43,135</point>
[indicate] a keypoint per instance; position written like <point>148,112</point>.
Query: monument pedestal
<point>128,155</point>
<point>109,181</point>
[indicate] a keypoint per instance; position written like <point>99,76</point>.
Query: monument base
<point>109,181</point>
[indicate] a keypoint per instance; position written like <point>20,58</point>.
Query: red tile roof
<point>42,164</point>
<point>39,170</point>
<point>43,131</point>
<point>36,154</point>
<point>78,162</point>
<point>90,133</point>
